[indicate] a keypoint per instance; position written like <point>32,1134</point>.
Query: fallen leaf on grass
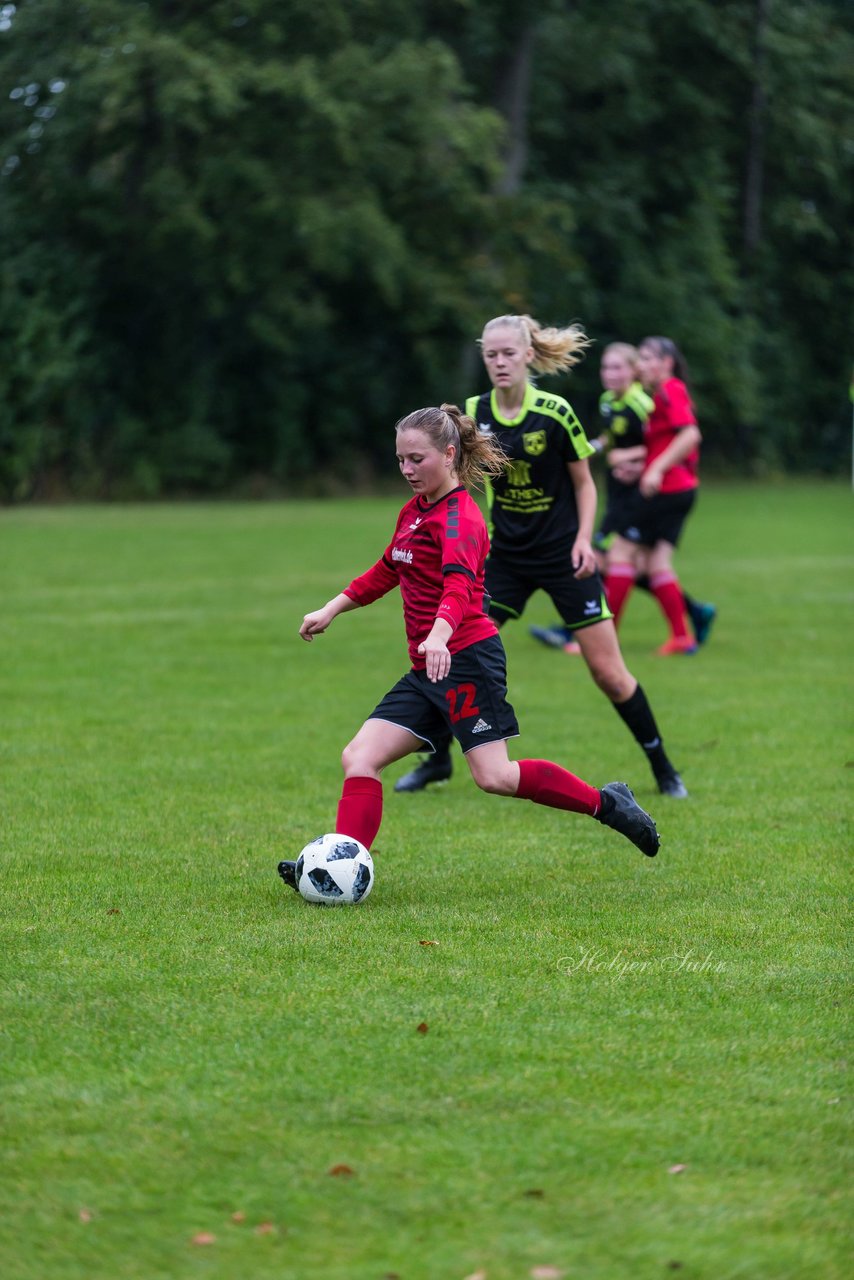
<point>204,1237</point>
<point>428,942</point>
<point>545,1273</point>
<point>114,911</point>
<point>535,1193</point>
<point>674,1265</point>
<point>85,1215</point>
<point>422,1028</point>
<point>341,1171</point>
<point>477,1275</point>
<point>238,1217</point>
<point>677,1168</point>
<point>265,1229</point>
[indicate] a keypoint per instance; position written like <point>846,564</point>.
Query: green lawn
<point>630,1069</point>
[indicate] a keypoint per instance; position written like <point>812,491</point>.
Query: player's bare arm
<point>687,440</point>
<point>583,559</point>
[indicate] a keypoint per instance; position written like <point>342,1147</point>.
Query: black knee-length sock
<point>636,713</point>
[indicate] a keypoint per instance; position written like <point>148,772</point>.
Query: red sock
<point>546,783</point>
<point>665,587</point>
<point>360,809</point>
<point>619,581</point>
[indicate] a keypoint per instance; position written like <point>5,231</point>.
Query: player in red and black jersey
<point>457,684</point>
<point>542,507</point>
<point>667,491</point>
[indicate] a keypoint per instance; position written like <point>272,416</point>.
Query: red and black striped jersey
<point>436,557</point>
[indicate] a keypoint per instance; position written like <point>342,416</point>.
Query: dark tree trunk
<point>512,99</point>
<point>755,167</point>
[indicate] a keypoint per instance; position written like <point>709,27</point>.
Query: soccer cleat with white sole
<point>670,784</point>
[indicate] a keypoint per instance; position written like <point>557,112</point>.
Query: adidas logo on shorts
<point>481,726</point>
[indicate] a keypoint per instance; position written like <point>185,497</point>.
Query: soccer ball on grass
<point>335,870</point>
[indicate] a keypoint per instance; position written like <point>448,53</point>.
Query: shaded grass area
<point>182,1040</point>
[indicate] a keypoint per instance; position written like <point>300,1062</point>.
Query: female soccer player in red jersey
<point>458,679</point>
<point>624,408</point>
<point>668,486</point>
<point>542,507</point>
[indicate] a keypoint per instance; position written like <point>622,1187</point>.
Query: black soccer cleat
<point>670,784</point>
<point>555,637</point>
<point>433,768</point>
<point>702,616</point>
<point>620,811</point>
<point>287,870</point>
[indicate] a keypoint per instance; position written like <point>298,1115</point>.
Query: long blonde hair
<point>555,350</point>
<point>477,454</point>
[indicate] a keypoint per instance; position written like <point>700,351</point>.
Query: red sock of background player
<point>546,783</point>
<point>360,809</point>
<point>668,593</point>
<point>619,581</point>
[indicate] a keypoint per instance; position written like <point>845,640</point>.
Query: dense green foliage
<point>184,1040</point>
<point>240,239</point>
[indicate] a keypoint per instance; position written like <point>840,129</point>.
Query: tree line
<point>241,238</point>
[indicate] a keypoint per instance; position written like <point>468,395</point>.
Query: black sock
<point>636,713</point>
<point>443,750</point>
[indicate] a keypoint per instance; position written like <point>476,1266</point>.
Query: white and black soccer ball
<point>335,870</point>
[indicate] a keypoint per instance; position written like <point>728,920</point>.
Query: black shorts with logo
<point>660,518</point>
<point>511,582</point>
<point>471,702</point>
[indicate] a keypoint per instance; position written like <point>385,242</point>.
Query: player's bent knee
<point>495,781</point>
<point>354,760</point>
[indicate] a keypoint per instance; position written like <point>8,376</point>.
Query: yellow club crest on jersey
<point>534,442</point>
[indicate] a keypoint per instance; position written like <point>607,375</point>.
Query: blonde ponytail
<point>555,350</point>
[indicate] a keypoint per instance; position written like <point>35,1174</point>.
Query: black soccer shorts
<point>512,581</point>
<point>471,702</point>
<point>660,518</point>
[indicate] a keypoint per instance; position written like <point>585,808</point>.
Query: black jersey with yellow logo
<point>532,505</point>
<point>624,417</point>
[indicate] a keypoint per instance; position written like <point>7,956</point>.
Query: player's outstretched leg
<point>620,811</point>
<point>433,768</point>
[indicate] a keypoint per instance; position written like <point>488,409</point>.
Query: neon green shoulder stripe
<point>636,398</point>
<point>561,411</point>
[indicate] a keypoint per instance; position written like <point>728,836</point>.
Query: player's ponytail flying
<point>555,350</point>
<point>477,454</point>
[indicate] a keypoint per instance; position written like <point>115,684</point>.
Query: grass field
<point>629,1068</point>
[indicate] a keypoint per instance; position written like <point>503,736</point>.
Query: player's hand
<point>583,559</point>
<point>627,472</point>
<point>314,624</point>
<point>437,657</point>
<point>650,482</point>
